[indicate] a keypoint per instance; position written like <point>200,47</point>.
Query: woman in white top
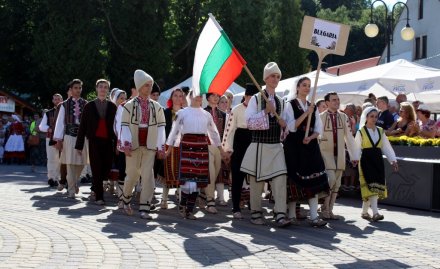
<point>193,129</point>
<point>373,142</point>
<point>119,98</point>
<point>305,167</point>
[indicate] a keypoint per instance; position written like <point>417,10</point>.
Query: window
<point>424,46</point>
<point>421,47</point>
<point>420,9</point>
<point>417,52</point>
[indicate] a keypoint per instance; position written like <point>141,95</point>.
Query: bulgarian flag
<point>216,62</point>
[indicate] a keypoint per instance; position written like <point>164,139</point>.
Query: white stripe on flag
<point>207,40</point>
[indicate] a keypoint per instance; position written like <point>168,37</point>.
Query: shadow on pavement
<point>373,264</point>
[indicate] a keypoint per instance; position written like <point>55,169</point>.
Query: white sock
<point>365,206</point>
<point>292,210</point>
<point>165,192</point>
<point>313,204</point>
<point>220,187</point>
<point>373,201</point>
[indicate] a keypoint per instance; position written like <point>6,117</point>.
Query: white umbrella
<point>399,76</point>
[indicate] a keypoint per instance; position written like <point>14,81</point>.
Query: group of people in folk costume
<point>262,140</point>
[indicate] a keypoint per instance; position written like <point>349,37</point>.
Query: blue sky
<point>390,3</point>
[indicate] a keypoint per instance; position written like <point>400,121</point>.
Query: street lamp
<point>371,29</point>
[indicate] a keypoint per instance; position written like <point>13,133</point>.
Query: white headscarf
<point>116,95</point>
<point>364,115</point>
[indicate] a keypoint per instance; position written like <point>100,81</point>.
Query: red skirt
<point>194,160</point>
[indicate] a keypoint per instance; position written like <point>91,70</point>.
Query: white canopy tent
<point>418,82</point>
<point>234,88</point>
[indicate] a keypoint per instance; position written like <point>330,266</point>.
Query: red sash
<point>143,134</point>
<point>101,131</point>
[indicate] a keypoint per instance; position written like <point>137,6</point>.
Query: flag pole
<point>258,87</point>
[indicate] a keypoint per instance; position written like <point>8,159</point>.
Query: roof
<point>353,66</point>
<point>18,100</point>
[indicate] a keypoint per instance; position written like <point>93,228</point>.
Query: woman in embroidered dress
<point>193,129</point>
<point>224,176</point>
<point>170,174</point>
<point>373,143</point>
<point>14,147</point>
<point>305,167</point>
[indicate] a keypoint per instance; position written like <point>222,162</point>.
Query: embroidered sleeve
<point>125,138</point>
<point>228,136</point>
<point>256,120</point>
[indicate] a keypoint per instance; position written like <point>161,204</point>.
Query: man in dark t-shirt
<point>385,118</point>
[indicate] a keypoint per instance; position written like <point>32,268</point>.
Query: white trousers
<point>140,164</point>
<point>53,161</point>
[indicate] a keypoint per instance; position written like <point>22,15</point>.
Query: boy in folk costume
<point>336,134</point>
<point>264,158</point>
<point>47,125</point>
<point>66,131</point>
<point>142,135</point>
<point>97,125</point>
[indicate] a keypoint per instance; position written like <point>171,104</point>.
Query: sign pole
<point>312,101</point>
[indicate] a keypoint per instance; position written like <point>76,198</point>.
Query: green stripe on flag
<point>218,56</point>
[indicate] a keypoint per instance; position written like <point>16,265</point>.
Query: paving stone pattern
<point>42,228</point>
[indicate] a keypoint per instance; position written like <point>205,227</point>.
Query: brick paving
<point>42,228</point>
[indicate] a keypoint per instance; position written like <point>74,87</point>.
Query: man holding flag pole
<point>216,65</point>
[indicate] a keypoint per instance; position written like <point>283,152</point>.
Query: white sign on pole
<point>325,34</point>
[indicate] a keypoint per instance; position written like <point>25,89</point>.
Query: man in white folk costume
<point>66,131</point>
<point>264,159</point>
<point>336,135</point>
<point>47,125</point>
<point>142,135</point>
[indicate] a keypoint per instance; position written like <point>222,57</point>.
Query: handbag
<point>33,140</point>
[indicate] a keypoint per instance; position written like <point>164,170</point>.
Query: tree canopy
<point>46,43</point>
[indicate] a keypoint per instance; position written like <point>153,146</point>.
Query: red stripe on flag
<point>230,70</point>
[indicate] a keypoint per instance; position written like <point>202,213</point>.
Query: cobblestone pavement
<point>41,228</point>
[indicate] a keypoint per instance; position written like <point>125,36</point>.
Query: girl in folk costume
<point>305,167</point>
<point>373,143</point>
<point>14,147</point>
<point>170,171</point>
<point>236,140</point>
<point>193,130</point>
<point>223,177</point>
<point>118,97</point>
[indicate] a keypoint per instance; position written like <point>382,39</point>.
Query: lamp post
<point>371,29</point>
